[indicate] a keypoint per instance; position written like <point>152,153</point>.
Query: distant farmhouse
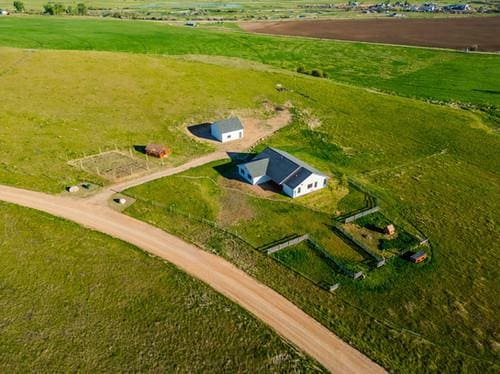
<point>227,130</point>
<point>295,177</point>
<point>4,12</point>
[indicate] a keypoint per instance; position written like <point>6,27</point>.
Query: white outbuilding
<point>227,130</point>
<point>295,177</point>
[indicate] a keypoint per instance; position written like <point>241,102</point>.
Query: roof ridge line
<point>292,173</point>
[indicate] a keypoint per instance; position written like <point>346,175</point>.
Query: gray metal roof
<point>297,177</point>
<point>228,125</point>
<point>417,255</point>
<point>257,168</point>
<point>281,167</point>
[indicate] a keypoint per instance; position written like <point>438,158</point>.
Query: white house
<point>295,177</point>
<point>227,130</point>
<point>4,12</point>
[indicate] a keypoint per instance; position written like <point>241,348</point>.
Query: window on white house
<point>324,182</point>
<point>241,134</point>
<point>298,190</point>
<point>309,186</point>
<point>315,184</point>
<point>229,136</point>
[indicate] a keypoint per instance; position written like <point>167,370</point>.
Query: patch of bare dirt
<point>258,125</point>
<point>234,208</point>
<point>455,33</point>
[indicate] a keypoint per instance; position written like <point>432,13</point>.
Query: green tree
<point>53,9</point>
<point>81,9</point>
<point>19,6</point>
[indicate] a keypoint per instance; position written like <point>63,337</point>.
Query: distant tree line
<point>54,9</point>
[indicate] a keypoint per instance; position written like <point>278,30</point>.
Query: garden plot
<point>370,231</point>
<point>112,165</point>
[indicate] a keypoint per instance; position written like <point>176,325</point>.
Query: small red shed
<point>157,150</point>
<point>418,257</point>
<point>390,229</point>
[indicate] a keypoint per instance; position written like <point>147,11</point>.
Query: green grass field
<point>433,166</point>
<point>99,101</point>
<point>76,300</point>
<point>302,259</point>
<point>413,72</point>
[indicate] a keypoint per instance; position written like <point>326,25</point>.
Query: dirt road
<point>264,303</point>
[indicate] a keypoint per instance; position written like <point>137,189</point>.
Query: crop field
<point>456,33</point>
<point>413,72</point>
<point>97,304</point>
<point>435,167</point>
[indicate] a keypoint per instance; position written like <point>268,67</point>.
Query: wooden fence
<point>288,243</point>
<point>379,260</point>
<point>363,213</point>
<point>333,262</point>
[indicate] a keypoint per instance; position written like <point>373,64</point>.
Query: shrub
<point>19,6</point>
<point>316,73</point>
<point>81,9</point>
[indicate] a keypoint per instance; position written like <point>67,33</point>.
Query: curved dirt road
<point>264,303</point>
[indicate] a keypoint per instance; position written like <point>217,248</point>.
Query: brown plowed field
<point>456,33</point>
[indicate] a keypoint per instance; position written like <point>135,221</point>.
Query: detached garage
<point>227,130</point>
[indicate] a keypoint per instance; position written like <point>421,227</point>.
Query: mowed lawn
<point>75,300</point>
<point>414,72</point>
<point>59,106</point>
<point>436,168</point>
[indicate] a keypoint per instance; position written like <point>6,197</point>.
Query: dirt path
<point>264,303</point>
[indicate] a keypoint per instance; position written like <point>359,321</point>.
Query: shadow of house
<point>230,171</point>
<point>271,187</point>
<point>140,149</point>
<point>240,157</point>
<point>202,131</point>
